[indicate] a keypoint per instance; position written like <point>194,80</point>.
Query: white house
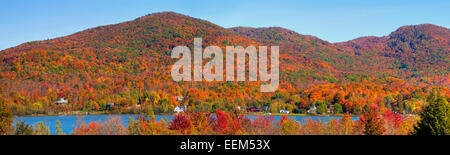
<point>61,101</point>
<point>179,109</point>
<point>284,111</point>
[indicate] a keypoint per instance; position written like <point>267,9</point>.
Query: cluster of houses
<point>178,109</point>
<point>264,109</point>
<point>63,101</point>
<point>312,109</point>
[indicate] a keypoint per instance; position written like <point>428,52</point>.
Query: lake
<point>69,122</point>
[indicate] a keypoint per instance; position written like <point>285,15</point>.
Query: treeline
<point>434,120</point>
<point>328,99</point>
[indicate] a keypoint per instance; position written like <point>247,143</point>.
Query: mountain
<point>129,62</point>
<point>130,51</point>
<point>147,40</point>
<point>113,62</point>
<point>310,60</point>
<point>417,51</point>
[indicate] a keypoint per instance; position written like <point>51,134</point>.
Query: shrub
<point>23,128</point>
<point>180,122</point>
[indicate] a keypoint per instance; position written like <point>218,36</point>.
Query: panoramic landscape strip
<point>168,73</point>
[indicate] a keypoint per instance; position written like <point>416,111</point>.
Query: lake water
<point>69,122</point>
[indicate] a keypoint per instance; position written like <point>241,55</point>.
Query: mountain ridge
<point>143,33</point>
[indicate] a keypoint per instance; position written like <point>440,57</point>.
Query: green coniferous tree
<point>435,117</point>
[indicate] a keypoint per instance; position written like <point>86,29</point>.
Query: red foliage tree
<point>221,124</point>
<point>395,118</point>
<point>180,122</point>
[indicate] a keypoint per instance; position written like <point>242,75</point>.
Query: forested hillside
<point>129,64</point>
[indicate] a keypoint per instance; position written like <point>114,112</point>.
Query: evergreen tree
<point>435,117</point>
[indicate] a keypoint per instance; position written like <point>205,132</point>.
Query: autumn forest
<point>391,83</point>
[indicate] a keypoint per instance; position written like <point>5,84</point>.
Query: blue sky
<point>332,20</point>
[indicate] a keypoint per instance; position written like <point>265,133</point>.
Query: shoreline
<point>80,113</point>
